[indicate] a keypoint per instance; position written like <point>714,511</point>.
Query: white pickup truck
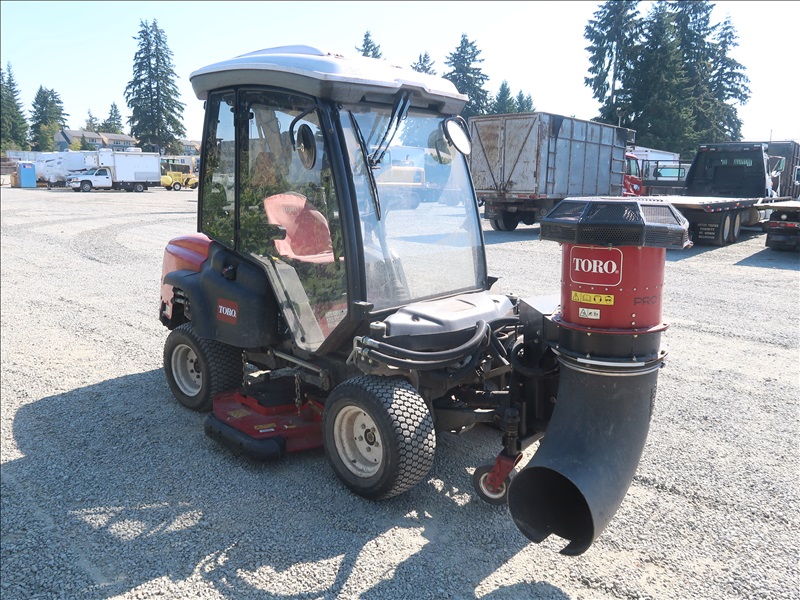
<point>129,171</point>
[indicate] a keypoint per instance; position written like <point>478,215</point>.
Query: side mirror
<point>306,147</point>
<point>455,129</point>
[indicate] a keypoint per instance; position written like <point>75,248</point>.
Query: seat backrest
<point>308,236</point>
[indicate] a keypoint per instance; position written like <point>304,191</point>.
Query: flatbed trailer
<point>718,221</point>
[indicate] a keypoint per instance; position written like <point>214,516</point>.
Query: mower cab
<point>337,293</point>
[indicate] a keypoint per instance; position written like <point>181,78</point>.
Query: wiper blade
<point>373,186</point>
<point>399,110</point>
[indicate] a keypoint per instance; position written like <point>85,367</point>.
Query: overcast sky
<point>84,50</point>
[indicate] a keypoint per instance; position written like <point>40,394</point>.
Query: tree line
<point>668,74</point>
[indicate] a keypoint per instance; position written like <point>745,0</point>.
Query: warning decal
<point>585,298</point>
<point>589,313</point>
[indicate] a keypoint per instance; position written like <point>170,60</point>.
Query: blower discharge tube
<point>607,337</point>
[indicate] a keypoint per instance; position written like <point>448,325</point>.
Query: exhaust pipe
<point>607,337</point>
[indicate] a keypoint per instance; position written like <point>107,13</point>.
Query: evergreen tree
<point>424,64</point>
<point>152,94</point>
<point>613,34</point>
<point>728,83</point>
<point>92,124</point>
<point>653,92</point>
<point>85,145</point>
<point>370,48</point>
<point>503,103</point>
<point>113,123</point>
<point>524,103</point>
<point>468,77</point>
<point>13,126</point>
<point>47,119</point>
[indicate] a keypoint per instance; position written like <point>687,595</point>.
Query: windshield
<point>418,215</point>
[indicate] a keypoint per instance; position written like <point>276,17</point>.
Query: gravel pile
<point>110,489</point>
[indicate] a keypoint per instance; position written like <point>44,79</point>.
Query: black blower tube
<point>587,459</point>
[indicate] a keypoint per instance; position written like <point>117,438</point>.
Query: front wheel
<point>176,186</point>
<point>197,369</point>
<point>86,186</point>
<point>378,435</point>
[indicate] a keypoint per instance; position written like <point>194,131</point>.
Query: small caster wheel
<point>496,497</point>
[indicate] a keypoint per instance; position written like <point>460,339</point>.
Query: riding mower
<point>335,297</point>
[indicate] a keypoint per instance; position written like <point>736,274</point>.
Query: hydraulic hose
<point>446,356</point>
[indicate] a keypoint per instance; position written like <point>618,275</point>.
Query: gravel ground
<point>110,489</point>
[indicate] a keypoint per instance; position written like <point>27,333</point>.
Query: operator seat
<point>308,236</point>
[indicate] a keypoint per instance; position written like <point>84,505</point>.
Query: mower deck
<point>263,422</point>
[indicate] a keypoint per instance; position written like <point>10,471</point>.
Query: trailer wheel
<point>138,187</point>
<point>86,186</point>
<point>723,233</point>
<point>507,222</point>
<point>495,497</point>
<point>736,227</point>
<point>176,186</point>
<point>378,435</point>
<point>197,369</point>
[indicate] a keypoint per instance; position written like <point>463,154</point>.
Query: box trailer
<point>522,164</point>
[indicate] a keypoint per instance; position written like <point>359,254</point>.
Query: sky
<point>84,50</point>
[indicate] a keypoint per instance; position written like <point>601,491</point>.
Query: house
<point>190,147</point>
<point>115,141</point>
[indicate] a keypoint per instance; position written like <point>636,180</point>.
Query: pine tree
<point>503,103</point>
<point>424,64</point>
<point>85,145</point>
<point>467,77</point>
<point>370,48</point>
<point>612,33</point>
<point>92,124</point>
<point>728,83</point>
<point>13,126</point>
<point>152,94</point>
<point>653,92</point>
<point>524,103</point>
<point>113,123</point>
<point>47,118</point>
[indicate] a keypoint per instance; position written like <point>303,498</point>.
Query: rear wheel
<point>506,222</point>
<point>197,369</point>
<point>176,186</point>
<point>723,233</point>
<point>138,187</point>
<point>736,227</point>
<point>378,435</point>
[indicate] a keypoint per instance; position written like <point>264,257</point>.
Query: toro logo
<point>591,265</point>
<point>227,311</point>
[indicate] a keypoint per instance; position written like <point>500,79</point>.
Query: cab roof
<point>327,75</point>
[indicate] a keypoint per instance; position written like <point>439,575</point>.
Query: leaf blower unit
<point>607,336</point>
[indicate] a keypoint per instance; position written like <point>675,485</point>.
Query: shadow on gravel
<point>118,488</point>
<point>522,233</point>
<point>773,259</point>
<point>674,255</point>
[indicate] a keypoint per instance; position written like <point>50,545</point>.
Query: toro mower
<point>336,296</point>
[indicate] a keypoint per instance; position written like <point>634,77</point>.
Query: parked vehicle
<point>524,163</point>
<point>662,172</point>
<point>53,168</point>
<point>318,307</point>
<point>177,176</point>
<point>727,187</point>
<point>783,228</point>
<point>129,171</point>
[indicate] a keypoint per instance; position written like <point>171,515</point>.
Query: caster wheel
<point>498,496</point>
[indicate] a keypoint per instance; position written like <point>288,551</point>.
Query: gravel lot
<point>110,489</point>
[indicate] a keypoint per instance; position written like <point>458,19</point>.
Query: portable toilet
<point>26,175</point>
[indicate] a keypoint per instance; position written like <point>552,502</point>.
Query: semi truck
<point>731,185</point>
<point>523,164</point>
<point>130,171</point>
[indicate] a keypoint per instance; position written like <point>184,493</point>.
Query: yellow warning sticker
<point>239,413</point>
<point>585,298</point>
<point>264,428</point>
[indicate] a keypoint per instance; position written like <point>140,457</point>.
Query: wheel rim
<point>358,441</point>
<point>186,370</point>
<point>494,495</point>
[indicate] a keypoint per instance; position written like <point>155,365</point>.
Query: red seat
<point>308,236</point>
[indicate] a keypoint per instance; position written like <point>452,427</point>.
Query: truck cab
<point>730,170</point>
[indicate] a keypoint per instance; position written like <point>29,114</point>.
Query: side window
<point>217,212</point>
